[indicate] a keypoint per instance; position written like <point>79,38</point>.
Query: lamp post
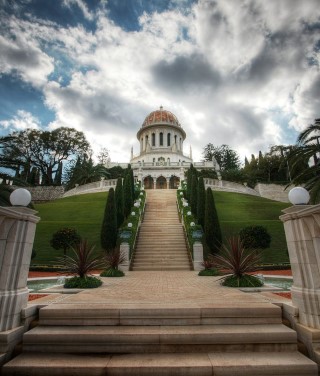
<point>17,230</point>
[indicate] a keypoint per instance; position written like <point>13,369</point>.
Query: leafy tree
<point>212,228</point>
<point>201,202</point>
<point>307,153</point>
<point>226,158</point>
<point>23,150</point>
<point>119,202</point>
<point>64,239</point>
<point>255,237</point>
<point>109,229</point>
<point>103,156</point>
<point>116,172</point>
<point>84,171</point>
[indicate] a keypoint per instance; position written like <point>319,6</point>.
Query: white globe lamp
<point>298,196</point>
<point>20,197</point>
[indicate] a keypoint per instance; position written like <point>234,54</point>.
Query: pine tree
<point>201,201</point>
<point>211,224</point>
<point>109,228</point>
<point>194,194</point>
<point>119,202</point>
<point>127,195</point>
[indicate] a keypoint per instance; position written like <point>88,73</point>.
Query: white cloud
<point>223,69</point>
<point>21,121</point>
<point>25,58</point>
<point>82,6</point>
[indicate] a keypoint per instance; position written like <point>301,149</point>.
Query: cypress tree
<point>127,195</point>
<point>201,201</point>
<point>194,194</point>
<point>109,228</point>
<point>119,202</point>
<point>211,224</point>
<point>189,181</point>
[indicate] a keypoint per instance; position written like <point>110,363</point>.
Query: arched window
<point>175,139</point>
<point>168,139</point>
<point>153,139</point>
<point>180,143</point>
<point>161,139</point>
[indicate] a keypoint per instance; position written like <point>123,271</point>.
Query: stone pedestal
<point>17,230</point>
<point>302,228</point>
<point>125,250</point>
<point>197,256</point>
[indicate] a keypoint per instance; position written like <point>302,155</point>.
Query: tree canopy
<point>227,158</point>
<point>32,151</point>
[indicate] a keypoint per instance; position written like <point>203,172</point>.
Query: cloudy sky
<point>238,72</point>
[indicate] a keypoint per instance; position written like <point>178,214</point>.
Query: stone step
<point>157,268</point>
<point>179,314</point>
<point>156,257</point>
<point>155,246</point>
<point>206,364</point>
<point>160,339</point>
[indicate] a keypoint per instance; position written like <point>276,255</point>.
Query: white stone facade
<point>161,162</point>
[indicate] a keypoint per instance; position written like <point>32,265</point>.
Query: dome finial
<point>161,108</point>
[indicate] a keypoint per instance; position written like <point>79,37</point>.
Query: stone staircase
<point>161,243</point>
<point>233,339</point>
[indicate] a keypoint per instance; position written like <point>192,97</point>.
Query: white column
<point>302,228</point>
<point>17,230</point>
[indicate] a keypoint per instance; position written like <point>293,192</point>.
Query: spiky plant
<point>112,260</point>
<point>235,259</point>
<point>82,260</point>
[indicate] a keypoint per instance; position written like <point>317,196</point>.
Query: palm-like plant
<point>112,260</point>
<point>235,259</point>
<point>308,149</point>
<point>82,260</point>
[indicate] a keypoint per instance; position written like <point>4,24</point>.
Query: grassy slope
<point>83,212</point>
<point>238,210</point>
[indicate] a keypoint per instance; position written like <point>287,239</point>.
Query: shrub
<point>255,237</point>
<point>212,229</point>
<point>238,261</point>
<point>87,282</point>
<point>246,280</point>
<point>209,272</point>
<point>65,238</point>
<point>113,259</point>
<point>112,273</point>
<point>109,229</point>
<point>82,260</point>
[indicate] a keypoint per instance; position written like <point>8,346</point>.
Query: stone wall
<point>43,194</point>
<point>273,191</point>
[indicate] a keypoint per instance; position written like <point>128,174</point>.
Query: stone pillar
<point>17,230</point>
<point>154,183</point>
<point>125,250</point>
<point>197,256</point>
<point>168,183</point>
<point>302,228</point>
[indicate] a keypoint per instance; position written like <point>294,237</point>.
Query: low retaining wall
<point>43,194</point>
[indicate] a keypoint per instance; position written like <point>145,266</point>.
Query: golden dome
<point>161,117</point>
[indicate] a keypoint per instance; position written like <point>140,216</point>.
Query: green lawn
<point>82,212</point>
<point>85,213</point>
<point>237,210</point>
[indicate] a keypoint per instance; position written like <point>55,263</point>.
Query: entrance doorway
<point>161,182</point>
<point>174,182</point>
<point>148,182</point>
